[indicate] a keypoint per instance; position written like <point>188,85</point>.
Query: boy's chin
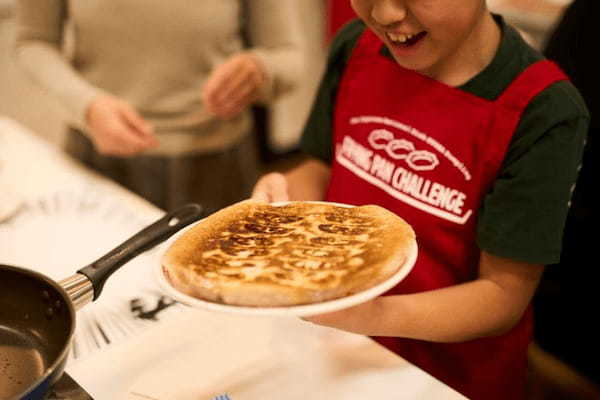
<point>414,65</point>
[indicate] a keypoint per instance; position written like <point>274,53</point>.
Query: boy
<point>439,111</point>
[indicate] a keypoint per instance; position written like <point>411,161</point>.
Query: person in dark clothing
<point>566,299</point>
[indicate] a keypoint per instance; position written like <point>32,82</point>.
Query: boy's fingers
<point>271,187</point>
<point>260,195</point>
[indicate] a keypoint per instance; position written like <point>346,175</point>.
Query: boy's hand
<point>117,129</point>
<point>271,187</point>
<point>233,85</point>
<point>357,319</point>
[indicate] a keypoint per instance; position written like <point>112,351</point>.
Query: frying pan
<point>37,314</point>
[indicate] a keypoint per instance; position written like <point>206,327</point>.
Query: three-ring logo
<point>402,149</point>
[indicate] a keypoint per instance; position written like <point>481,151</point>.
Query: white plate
<point>299,310</point>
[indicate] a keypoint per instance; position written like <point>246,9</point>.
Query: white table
<point>196,354</point>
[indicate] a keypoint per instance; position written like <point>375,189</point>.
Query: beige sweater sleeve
<point>272,27</point>
<point>274,33</point>
<point>38,50</point>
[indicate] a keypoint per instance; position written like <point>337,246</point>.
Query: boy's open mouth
<point>403,40</point>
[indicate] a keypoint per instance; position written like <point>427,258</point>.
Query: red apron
<point>430,153</point>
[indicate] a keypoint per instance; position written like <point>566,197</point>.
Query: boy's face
<point>429,36</point>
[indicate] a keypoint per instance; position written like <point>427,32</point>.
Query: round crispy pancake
<point>257,254</point>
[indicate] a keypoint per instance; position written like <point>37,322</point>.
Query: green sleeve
<point>317,134</point>
<point>523,216</point>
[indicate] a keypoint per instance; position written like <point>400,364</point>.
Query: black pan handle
<point>99,271</point>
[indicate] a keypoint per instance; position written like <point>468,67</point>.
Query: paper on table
<point>60,233</point>
<point>10,202</point>
<point>198,355</point>
<point>10,199</point>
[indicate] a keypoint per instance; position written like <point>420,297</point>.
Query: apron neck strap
<point>537,77</point>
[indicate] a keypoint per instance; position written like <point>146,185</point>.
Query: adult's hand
<point>116,129</point>
<point>271,187</point>
<point>234,85</point>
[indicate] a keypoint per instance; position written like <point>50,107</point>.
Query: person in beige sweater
<point>158,93</point>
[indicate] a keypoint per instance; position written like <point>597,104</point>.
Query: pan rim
<point>67,348</point>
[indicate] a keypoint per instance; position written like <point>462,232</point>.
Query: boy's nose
<point>388,12</point>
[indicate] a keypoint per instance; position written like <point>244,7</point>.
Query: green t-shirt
<point>523,215</point>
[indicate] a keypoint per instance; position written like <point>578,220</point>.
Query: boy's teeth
<point>398,37</point>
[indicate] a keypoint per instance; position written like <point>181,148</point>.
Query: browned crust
<point>395,238</point>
